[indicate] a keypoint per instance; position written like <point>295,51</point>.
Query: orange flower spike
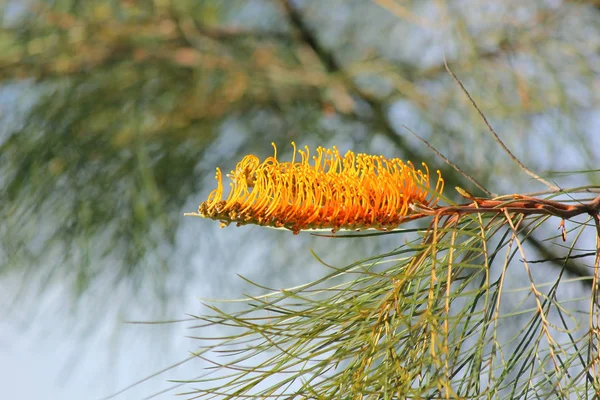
<point>327,190</point>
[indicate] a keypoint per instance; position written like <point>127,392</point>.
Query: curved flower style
<point>351,192</point>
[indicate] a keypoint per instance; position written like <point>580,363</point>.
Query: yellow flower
<point>326,191</point>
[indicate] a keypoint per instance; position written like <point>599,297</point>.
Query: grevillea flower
<point>326,191</point>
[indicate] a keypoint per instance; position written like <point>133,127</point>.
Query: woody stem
<point>520,204</point>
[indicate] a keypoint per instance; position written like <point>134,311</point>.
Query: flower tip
<point>275,150</point>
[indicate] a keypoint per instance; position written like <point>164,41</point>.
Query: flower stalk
<point>328,190</point>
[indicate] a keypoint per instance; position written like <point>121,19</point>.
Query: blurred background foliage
<point>115,114</point>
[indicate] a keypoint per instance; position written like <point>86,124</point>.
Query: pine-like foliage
<point>424,320</point>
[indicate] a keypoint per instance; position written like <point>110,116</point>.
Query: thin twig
<point>450,163</point>
<point>497,138</point>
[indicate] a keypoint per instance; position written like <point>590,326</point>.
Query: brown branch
<point>520,204</point>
